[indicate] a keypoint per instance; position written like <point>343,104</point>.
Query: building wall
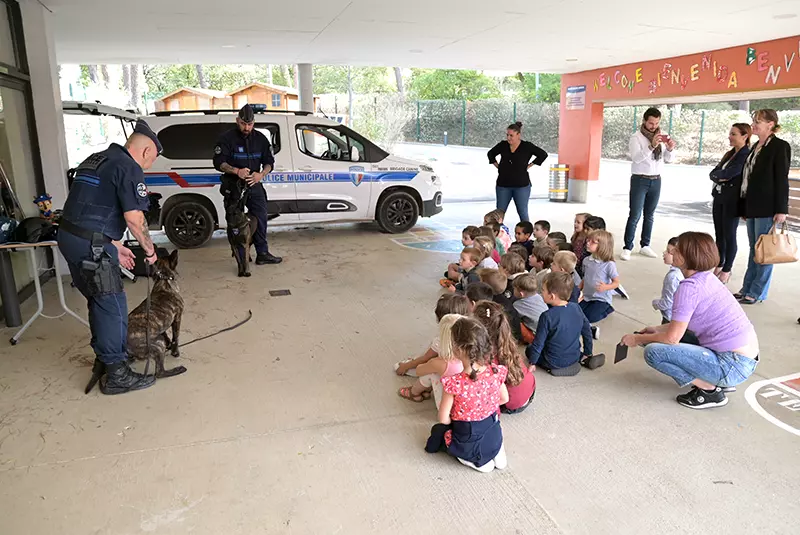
<point>259,95</point>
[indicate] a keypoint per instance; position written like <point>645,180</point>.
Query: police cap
<point>246,114</point>
<point>144,129</point>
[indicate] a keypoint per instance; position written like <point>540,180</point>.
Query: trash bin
<point>559,180</point>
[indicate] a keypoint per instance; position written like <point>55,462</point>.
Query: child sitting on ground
<point>523,232</point>
<point>520,381</point>
<point>497,216</point>
<point>540,260</point>
<point>468,264</point>
<point>512,266</point>
<point>485,245</point>
<point>540,231</point>
<point>578,240</point>
<point>469,427</point>
<point>591,223</point>
<point>600,278</point>
<point>447,304</point>
<point>492,230</point>
<point>522,251</point>
<point>498,282</point>
<point>430,373</point>
<point>468,236</point>
<point>556,347</point>
<point>555,240</point>
<point>529,306</point>
<point>478,291</point>
<point>565,261</point>
<point>671,281</point>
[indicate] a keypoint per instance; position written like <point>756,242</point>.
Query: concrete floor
<point>292,424</point>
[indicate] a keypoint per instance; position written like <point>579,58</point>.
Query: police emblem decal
<point>217,150</point>
<point>356,174</point>
<point>141,189</point>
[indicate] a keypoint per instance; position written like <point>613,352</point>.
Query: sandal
<point>747,300</point>
<point>405,393</point>
<point>738,296</point>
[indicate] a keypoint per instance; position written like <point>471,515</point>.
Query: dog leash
<point>147,268</point>
<point>226,329</point>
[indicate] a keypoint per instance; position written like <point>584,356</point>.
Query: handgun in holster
<point>100,275</point>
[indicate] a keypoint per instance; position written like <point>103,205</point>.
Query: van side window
<point>328,143</point>
<point>196,141</point>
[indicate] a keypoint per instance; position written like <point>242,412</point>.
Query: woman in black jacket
<point>513,180</point>
<point>727,178</point>
<point>765,195</point>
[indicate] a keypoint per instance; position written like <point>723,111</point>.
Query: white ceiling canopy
<point>513,35</point>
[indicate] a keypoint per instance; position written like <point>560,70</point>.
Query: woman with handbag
<point>765,196</point>
<point>727,350</point>
<point>727,178</point>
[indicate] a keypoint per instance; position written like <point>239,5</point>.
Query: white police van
<point>324,172</point>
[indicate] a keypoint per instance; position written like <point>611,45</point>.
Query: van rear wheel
<point>397,212</point>
<point>189,225</point>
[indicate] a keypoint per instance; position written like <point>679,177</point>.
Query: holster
<point>99,275</point>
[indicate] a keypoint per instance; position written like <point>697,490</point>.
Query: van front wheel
<point>397,212</point>
<point>189,225</point>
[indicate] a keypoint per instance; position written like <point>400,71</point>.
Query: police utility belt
<point>98,274</point>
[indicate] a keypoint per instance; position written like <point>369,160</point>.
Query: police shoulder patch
<point>141,189</point>
<point>217,150</point>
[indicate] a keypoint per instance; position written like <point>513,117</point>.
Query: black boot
<point>98,369</point>
<point>120,378</point>
<point>267,258</point>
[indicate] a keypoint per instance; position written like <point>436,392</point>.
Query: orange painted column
<point>756,67</point>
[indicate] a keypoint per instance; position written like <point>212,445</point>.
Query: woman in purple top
<point>727,353</point>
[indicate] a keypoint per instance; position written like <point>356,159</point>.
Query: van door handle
<point>306,168</point>
<point>280,169</point>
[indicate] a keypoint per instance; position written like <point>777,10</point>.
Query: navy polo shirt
<point>252,151</point>
<point>107,184</point>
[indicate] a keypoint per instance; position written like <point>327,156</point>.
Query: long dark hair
<point>471,341</point>
<point>744,129</point>
<point>505,348</point>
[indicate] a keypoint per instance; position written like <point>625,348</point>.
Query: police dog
<point>241,228</point>
<point>166,310</point>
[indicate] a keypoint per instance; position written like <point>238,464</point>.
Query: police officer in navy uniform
<point>107,194</point>
<point>244,156</point>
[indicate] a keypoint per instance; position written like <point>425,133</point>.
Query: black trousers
<point>726,223</point>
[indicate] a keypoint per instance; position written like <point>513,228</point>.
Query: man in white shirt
<point>649,149</point>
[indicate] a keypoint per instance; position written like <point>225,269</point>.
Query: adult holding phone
<point>513,180</point>
<point>727,178</point>
<point>649,148</point>
<point>727,350</point>
<point>765,194</point>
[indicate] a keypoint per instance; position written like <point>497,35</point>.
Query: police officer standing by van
<point>244,156</point>
<point>109,193</point>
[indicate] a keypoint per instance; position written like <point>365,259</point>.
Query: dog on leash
<point>166,310</point>
<point>241,229</point>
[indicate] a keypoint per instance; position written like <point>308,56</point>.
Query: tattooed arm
<point>137,224</point>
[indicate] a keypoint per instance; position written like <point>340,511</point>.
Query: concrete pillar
<point>37,25</point>
<point>305,77</point>
<point>580,137</point>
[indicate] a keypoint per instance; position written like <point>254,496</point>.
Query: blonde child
<point>468,236</point>
<point>446,304</point>
<point>469,426</point>
<point>671,281</point>
<point>430,373</point>
<point>485,244</point>
<point>520,381</point>
<point>492,230</point>
<point>565,261</point>
<point>600,278</point>
<point>497,216</point>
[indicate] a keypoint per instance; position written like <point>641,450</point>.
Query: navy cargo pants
<point>108,313</point>
<point>257,207</point>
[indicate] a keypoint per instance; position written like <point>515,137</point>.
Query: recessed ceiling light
<point>785,16</point>
<point>572,59</point>
<point>228,46</point>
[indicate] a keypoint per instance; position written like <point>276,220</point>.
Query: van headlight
<point>426,168</point>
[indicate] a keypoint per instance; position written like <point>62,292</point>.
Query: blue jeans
<point>108,313</point>
<point>758,276</point>
<point>685,363</point>
<point>520,196</point>
<point>643,198</point>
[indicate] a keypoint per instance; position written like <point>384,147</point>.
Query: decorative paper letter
<point>763,59</point>
<point>733,82</point>
<point>639,74</point>
<point>694,71</point>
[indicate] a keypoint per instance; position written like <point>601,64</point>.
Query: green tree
<point>333,79</point>
<point>549,87</point>
<point>164,79</point>
<point>451,84</point>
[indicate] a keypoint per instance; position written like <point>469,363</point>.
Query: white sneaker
<point>501,461</point>
<point>622,292</point>
<point>626,255</point>
<point>486,468</point>
<point>648,252</point>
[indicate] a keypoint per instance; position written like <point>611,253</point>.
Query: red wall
<point>756,67</point>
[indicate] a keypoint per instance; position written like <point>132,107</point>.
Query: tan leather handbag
<point>777,247</point>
